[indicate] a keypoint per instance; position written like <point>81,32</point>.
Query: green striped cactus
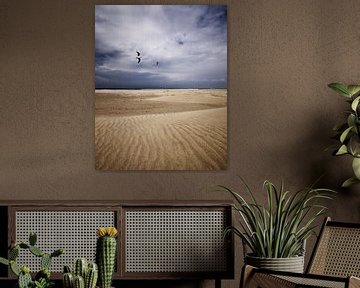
<point>91,276</point>
<point>84,274</point>
<point>80,267</point>
<point>79,282</point>
<point>106,254</point>
<point>68,280</point>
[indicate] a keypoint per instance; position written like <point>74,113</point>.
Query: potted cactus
<point>106,254</point>
<point>42,278</point>
<point>84,275</point>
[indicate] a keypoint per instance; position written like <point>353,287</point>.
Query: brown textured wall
<point>282,54</point>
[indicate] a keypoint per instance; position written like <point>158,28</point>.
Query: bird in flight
<point>138,56</point>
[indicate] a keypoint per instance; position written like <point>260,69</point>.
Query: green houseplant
<point>279,229</point>
<point>348,133</point>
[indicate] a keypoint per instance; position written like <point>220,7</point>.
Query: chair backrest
<point>337,251</point>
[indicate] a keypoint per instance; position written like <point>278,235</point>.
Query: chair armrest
<point>253,278</point>
<point>354,282</point>
<point>246,273</point>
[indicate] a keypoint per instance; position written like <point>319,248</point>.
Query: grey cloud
<point>189,42</point>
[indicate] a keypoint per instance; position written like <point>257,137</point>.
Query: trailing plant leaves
<point>349,182</point>
<point>354,145</point>
<point>351,120</point>
<point>349,132</point>
<point>353,89</point>
<point>340,88</point>
<point>342,150</point>
<point>356,167</point>
<point>345,134</point>
<point>355,103</point>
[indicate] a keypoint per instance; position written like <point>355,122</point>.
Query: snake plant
<point>279,228</point>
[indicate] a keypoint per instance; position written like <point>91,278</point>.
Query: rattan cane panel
<point>75,231</point>
<point>313,282</point>
<point>175,241</point>
<point>338,253</point>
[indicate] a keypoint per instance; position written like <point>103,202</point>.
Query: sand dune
<point>139,135</point>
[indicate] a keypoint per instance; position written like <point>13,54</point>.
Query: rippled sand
<point>161,129</point>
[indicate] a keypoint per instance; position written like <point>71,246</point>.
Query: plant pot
<point>291,264</point>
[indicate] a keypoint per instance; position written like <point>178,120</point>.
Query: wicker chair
<point>334,263</point>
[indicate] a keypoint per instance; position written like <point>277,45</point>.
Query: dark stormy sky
<point>181,46</point>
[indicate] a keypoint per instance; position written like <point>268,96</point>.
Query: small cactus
<point>79,282</point>
<point>68,280</point>
<point>42,278</point>
<point>81,266</point>
<point>45,261</point>
<point>32,238</point>
<point>36,251</point>
<point>91,276</point>
<point>24,246</point>
<point>106,254</point>
<point>67,269</point>
<point>14,268</point>
<point>44,273</point>
<point>13,253</point>
<point>57,252</point>
<point>83,274</point>
<point>24,277</point>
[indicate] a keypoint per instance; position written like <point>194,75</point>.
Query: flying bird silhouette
<point>138,56</point>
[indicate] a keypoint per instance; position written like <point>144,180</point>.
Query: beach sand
<point>161,129</point>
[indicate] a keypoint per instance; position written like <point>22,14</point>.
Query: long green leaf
<point>353,89</point>
<point>356,167</point>
<point>342,150</point>
<point>345,134</point>
<point>355,103</point>
<point>340,88</point>
<point>349,182</point>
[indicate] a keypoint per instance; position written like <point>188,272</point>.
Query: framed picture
<point>161,87</point>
